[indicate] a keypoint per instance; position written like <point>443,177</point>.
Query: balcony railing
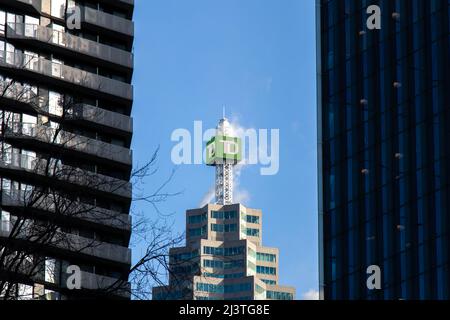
<point>15,91</point>
<point>100,116</point>
<point>108,21</point>
<point>70,242</point>
<point>55,70</point>
<point>69,140</point>
<point>91,281</point>
<point>70,42</point>
<point>71,209</point>
<point>55,170</point>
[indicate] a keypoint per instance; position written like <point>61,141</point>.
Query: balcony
<point>95,248</point>
<point>69,208</point>
<point>69,75</point>
<point>91,281</point>
<point>17,92</point>
<point>101,117</point>
<point>33,5</point>
<point>107,21</point>
<point>69,242</point>
<point>65,41</point>
<point>66,174</point>
<point>113,121</point>
<point>69,141</point>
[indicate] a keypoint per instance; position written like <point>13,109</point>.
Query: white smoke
<point>241,195</point>
<point>208,197</point>
<point>311,295</point>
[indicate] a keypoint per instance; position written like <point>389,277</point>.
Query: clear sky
<point>257,57</point>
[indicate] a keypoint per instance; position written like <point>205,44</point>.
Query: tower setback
<point>224,258</point>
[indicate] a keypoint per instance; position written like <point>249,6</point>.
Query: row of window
<point>183,270</point>
<point>269,282</point>
<point>231,251</point>
<point>266,270</point>
<point>252,219</point>
<point>197,218</point>
<point>197,232</point>
<point>226,215</point>
<point>224,276</point>
<point>275,295</point>
<point>232,227</point>
<point>185,256</point>
<point>223,215</point>
<point>22,191</point>
<point>252,232</point>
<point>228,288</point>
<point>266,257</point>
<point>244,298</point>
<point>218,264</point>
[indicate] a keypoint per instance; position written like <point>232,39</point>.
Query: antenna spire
<point>223,112</point>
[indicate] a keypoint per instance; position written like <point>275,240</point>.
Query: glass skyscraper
<point>383,143</point>
<point>65,136</point>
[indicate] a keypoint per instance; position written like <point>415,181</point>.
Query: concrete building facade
<point>224,258</point>
<point>65,103</point>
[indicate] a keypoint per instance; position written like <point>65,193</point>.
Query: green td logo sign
<point>223,149</point>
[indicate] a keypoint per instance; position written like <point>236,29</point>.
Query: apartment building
<point>65,165</point>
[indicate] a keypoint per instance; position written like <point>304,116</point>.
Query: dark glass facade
<point>384,145</point>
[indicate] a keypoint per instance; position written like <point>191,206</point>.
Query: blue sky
<point>257,57</point>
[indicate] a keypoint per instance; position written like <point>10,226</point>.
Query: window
<point>224,276</point>
<point>2,23</point>
<point>185,256</point>
<point>197,232</point>
<point>51,272</point>
<point>252,232</point>
<point>269,282</point>
<point>252,219</point>
<point>58,33</point>
<point>5,223</point>
<point>224,227</point>
<point>226,215</point>
<point>31,24</point>
<point>29,119</point>
<point>218,264</point>
<point>266,270</point>
<point>55,102</point>
<point>275,295</point>
<point>24,292</point>
<point>232,251</point>
<point>230,288</point>
<point>266,257</point>
<point>58,8</point>
<point>197,218</point>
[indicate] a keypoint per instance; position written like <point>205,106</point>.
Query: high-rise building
<point>65,165</point>
<point>224,257</point>
<point>384,143</point>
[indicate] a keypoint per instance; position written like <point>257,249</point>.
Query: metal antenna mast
<point>224,170</point>
<point>224,152</point>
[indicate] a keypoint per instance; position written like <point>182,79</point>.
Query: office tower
<point>65,105</point>
<point>383,119</point>
<point>223,257</point>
